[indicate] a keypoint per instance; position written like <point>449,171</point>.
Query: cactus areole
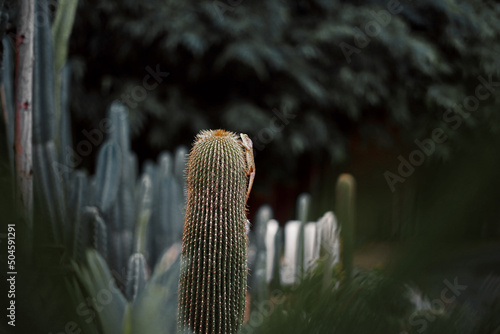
<point>213,280</point>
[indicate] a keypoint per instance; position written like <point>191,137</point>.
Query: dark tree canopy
<point>383,71</point>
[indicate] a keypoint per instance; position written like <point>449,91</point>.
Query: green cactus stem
<point>258,283</point>
<point>137,276</point>
<point>107,175</point>
<point>346,209</point>
<point>44,95</point>
<point>213,280</point>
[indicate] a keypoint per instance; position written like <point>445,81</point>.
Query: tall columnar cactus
<point>346,209</point>
<point>213,280</point>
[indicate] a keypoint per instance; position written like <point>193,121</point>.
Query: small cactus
<point>345,209</point>
<point>50,187</point>
<point>213,280</point>
<point>107,175</point>
<point>99,237</point>
<point>43,85</point>
<point>274,245</point>
<point>303,207</point>
<point>328,245</point>
<point>77,232</point>
<point>137,275</point>
<point>293,252</point>
<point>258,284</point>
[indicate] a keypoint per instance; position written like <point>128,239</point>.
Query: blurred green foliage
<point>230,66</point>
<point>374,302</point>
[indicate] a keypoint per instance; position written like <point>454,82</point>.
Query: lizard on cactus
<point>213,280</point>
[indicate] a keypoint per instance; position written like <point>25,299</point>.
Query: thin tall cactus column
<point>345,207</point>
<point>213,280</point>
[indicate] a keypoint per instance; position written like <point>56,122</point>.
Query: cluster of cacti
<point>213,280</point>
<point>126,217</point>
<point>282,255</point>
<point>130,223</point>
<point>131,220</point>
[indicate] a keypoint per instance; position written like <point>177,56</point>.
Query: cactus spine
<point>213,280</point>
<point>346,209</point>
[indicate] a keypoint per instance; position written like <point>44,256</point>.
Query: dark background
<point>231,66</point>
